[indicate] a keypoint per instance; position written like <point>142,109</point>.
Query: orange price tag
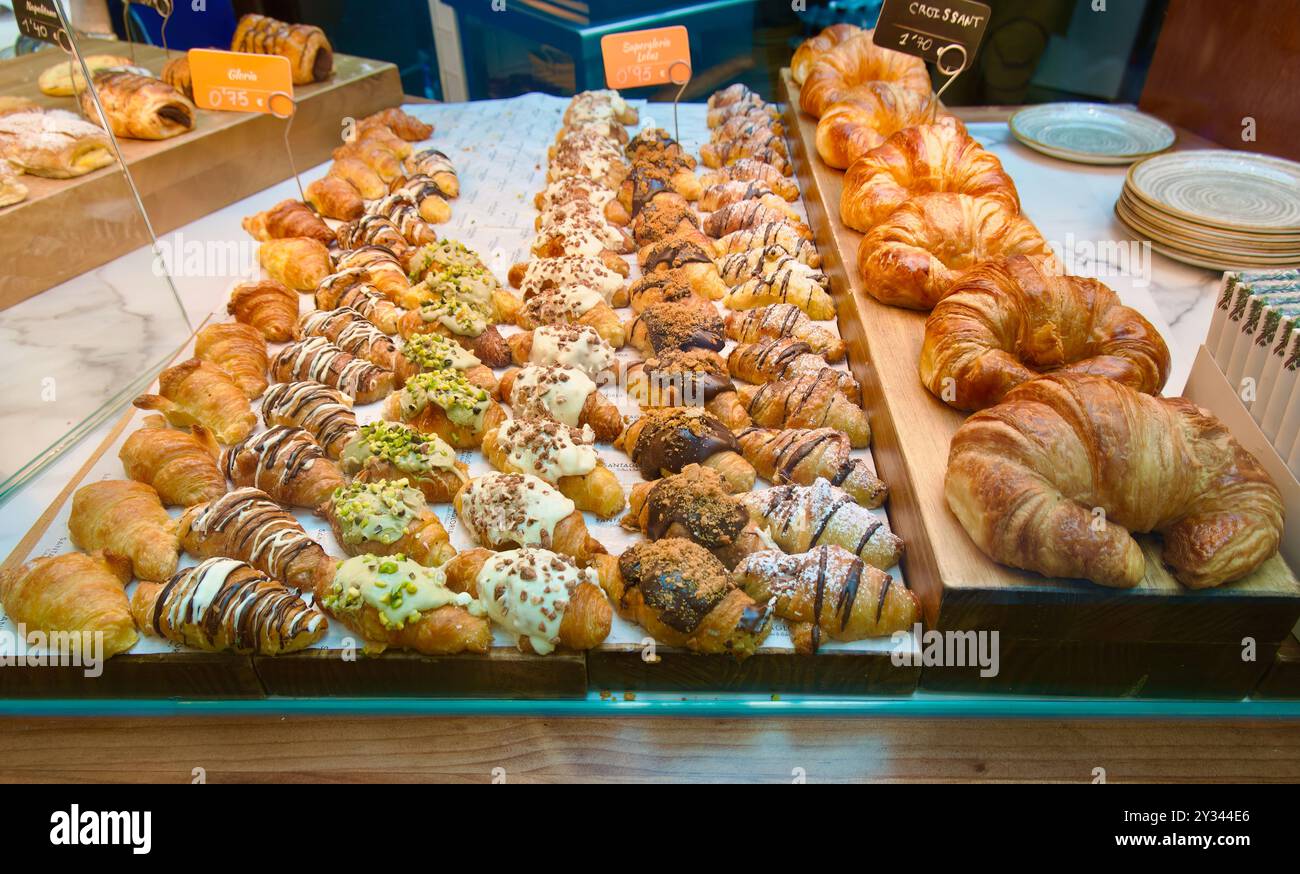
<point>646,57</point>
<point>241,82</point>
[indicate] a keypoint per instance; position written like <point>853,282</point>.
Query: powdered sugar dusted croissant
<point>804,455</point>
<point>799,518</point>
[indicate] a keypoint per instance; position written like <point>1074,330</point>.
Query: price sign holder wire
<point>288,125</point>
<point>686,80</point>
<point>952,72</point>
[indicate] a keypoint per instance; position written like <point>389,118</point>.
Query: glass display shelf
<point>918,706</point>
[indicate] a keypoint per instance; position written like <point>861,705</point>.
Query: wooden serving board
<point>1283,677</point>
<point>68,226</point>
<point>962,589</point>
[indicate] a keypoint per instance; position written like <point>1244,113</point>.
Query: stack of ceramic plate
<point>1091,133</point>
<point>1216,209</point>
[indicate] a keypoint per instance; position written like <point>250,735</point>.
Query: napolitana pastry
<point>391,451</point>
<point>311,58</point>
<point>799,518</point>
<point>804,455</point>
<point>246,524</point>
<point>287,464</point>
<point>541,597</point>
<point>560,455</point>
<point>784,320</point>
<point>381,269</point>
<point>809,400</point>
<point>355,335</point>
<point>1023,479</point>
<point>1007,321</point>
<point>139,107</point>
<point>73,594</point>
<point>666,439</point>
<point>324,412</point>
<point>683,596</point>
<point>696,505</point>
<point>373,230</point>
<point>747,214</point>
<point>445,403</point>
<point>318,360</point>
<point>181,466</point>
<point>772,266</point>
<point>55,144</point>
<point>224,605</point>
<point>239,350</point>
<point>392,601</point>
<point>125,518</point>
<point>802,291</point>
<point>195,392</point>
<point>564,394</point>
<point>386,517</point>
<point>828,592</point>
<point>268,306</point>
<point>508,510</point>
<point>438,167</point>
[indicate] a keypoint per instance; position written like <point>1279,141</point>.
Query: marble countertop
<point>62,332</point>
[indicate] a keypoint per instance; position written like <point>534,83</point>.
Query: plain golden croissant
<point>784,320</point>
<point>310,55</point>
<point>809,400</point>
<point>373,154</point>
<point>1055,478</point>
<point>239,350</point>
<point>180,465</point>
<point>862,118</point>
<point>195,392</point>
<point>855,61</point>
<point>268,306</point>
<point>804,455</point>
<point>912,258</point>
<point>815,46</point>
<point>683,596</point>
<point>828,592</point>
<point>288,218</point>
<point>334,197</point>
<point>358,174</point>
<point>298,262</point>
<point>223,605</point>
<point>921,160</point>
<point>139,107</point>
<point>1010,320</point>
<point>125,518</point>
<point>73,593</point>
<point>402,123</point>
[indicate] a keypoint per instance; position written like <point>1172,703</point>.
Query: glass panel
<point>87,314</point>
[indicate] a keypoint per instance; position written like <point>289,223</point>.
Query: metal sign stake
<point>293,107</point>
<point>680,91</point>
<point>951,73</point>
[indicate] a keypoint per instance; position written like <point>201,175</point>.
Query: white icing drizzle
<point>550,391</point>
<point>527,591</point>
<point>277,615</point>
<point>269,537</point>
<point>510,508</point>
<point>314,359</point>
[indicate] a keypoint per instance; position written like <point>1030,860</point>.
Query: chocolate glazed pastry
<point>683,596</point>
<point>687,377</point>
<point>666,439</point>
<point>679,325</point>
<point>695,504</point>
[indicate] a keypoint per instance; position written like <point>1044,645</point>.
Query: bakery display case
<point>837,398</point>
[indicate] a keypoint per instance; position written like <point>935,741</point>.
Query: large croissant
<point>912,258</point>
<point>862,118</point>
<point>857,61</point>
<point>1054,478</point>
<point>1008,320</point>
<point>811,49</point>
<point>921,160</point>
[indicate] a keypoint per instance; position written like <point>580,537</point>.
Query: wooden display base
<point>960,588</point>
<point>1283,677</point>
<point>66,227</point>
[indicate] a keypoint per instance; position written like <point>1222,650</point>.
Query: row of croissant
<point>713,570</point>
<point>136,103</point>
<point>1071,447</point>
<point>402,585</point>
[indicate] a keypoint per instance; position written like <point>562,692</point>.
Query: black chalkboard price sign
<point>39,19</point>
<point>930,29</point>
